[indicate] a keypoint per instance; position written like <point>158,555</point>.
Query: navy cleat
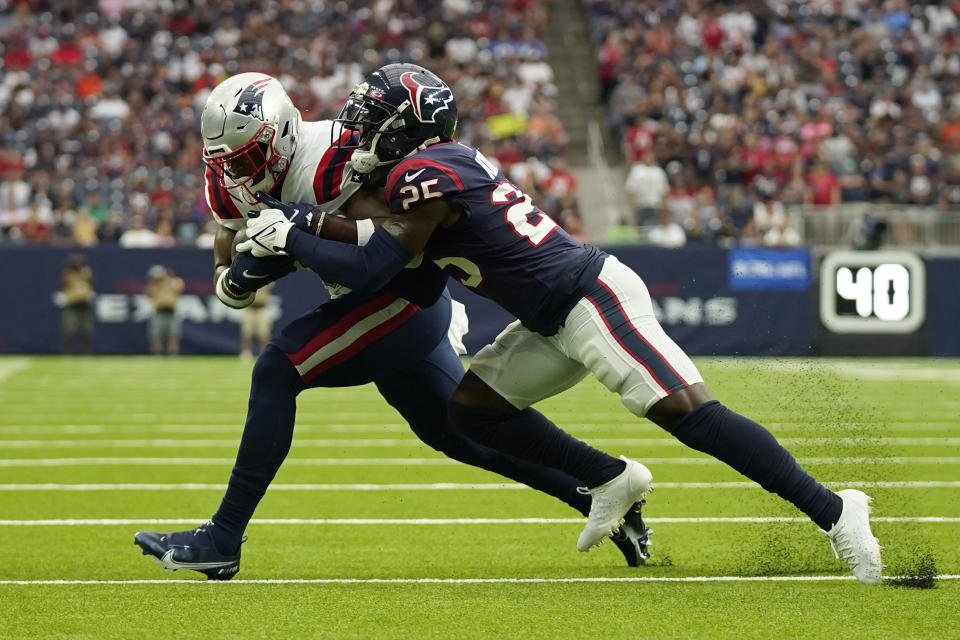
<point>193,549</point>
<point>633,538</point>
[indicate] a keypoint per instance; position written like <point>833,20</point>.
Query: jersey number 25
<point>526,219</point>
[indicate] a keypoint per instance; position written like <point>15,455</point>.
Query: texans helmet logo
<point>250,102</point>
<point>427,100</point>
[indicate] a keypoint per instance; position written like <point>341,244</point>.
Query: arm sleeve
<point>249,273</point>
<point>364,268</point>
<point>422,286</point>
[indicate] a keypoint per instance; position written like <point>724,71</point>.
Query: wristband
<point>319,227</point>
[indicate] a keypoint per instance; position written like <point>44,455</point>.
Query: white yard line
<point>438,521</point>
<point>74,462</point>
<point>895,372</point>
<point>439,486</point>
<point>413,462</point>
<point>305,427</point>
<point>10,366</point>
<point>364,443</point>
<point>461,580</point>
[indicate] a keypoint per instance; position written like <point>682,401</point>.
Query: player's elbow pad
<point>364,268</point>
<point>422,286</point>
<point>230,294</point>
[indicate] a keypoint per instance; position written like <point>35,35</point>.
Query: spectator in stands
<point>112,229</point>
<point>646,187</point>
<point>782,234</point>
<point>823,187</point>
<point>84,231</point>
<point>622,232</point>
<point>76,289</point>
<point>164,289</point>
<point>96,104</point>
<point>35,229</point>
<point>826,101</point>
<point>138,236</point>
<point>61,230</point>
<point>667,234</point>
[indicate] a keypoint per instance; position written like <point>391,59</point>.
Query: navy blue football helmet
<point>395,110</point>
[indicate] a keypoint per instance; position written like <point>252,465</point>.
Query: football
<point>241,236</point>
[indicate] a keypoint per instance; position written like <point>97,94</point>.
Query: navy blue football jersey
<point>503,246</point>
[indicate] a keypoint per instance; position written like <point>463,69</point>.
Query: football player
<point>398,334</point>
<point>579,311</point>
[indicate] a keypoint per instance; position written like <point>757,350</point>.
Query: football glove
<point>304,216</point>
<point>266,233</point>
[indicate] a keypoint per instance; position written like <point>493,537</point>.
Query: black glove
<point>247,273</point>
<point>304,216</point>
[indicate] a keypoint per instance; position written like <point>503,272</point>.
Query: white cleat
<point>852,540</point>
<point>612,501</point>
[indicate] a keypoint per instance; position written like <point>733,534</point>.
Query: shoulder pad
<point>418,179</point>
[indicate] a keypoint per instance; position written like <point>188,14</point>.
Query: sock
<point>266,440</point>
<point>753,451</point>
<point>530,436</point>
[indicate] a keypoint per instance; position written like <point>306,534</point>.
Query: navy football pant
<point>421,394</point>
<point>405,352</point>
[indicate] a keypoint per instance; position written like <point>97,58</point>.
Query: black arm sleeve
<point>365,268</point>
<point>422,286</point>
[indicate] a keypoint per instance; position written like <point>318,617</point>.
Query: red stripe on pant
<point>340,327</point>
<point>637,332</point>
<point>625,347</point>
<point>361,343</point>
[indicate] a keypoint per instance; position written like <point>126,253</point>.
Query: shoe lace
<point>842,547</point>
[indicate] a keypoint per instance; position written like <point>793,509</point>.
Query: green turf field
<point>367,533</point>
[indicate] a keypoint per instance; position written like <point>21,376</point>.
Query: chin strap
<point>364,162</point>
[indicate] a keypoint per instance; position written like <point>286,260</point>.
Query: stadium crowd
<point>730,112</point>
<point>100,102</point>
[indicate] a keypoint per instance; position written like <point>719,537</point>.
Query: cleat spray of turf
<point>918,573</point>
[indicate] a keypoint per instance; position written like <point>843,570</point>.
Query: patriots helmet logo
<point>426,96</point>
<point>250,100</point>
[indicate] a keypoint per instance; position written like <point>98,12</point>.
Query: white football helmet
<point>250,130</point>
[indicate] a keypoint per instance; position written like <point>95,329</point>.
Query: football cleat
<point>193,549</point>
<point>611,502</point>
<point>852,540</point>
<point>633,538</point>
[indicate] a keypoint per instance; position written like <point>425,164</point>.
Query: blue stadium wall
<point>711,301</point>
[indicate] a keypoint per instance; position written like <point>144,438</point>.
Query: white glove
<point>266,234</point>
<point>231,297</point>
